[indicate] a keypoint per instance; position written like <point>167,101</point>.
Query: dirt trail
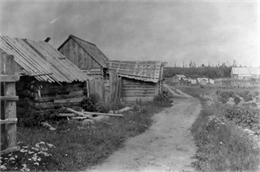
<point>166,146</point>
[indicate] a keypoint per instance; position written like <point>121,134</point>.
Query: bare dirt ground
<point>166,146</point>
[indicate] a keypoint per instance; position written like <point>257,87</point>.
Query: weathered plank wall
<point>16,67</point>
<point>8,103</point>
<point>97,86</point>
<point>77,55</point>
<point>108,90</point>
<point>133,90</point>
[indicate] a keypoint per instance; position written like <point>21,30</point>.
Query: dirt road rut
<point>166,146</point>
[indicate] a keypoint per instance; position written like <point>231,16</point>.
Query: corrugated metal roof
<point>246,71</point>
<point>139,70</point>
<point>39,57</point>
<point>91,49</point>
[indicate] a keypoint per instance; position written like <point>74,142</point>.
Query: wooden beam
<point>79,117</point>
<point>8,121</point>
<point>103,114</point>
<point>69,100</point>
<point>41,74</point>
<point>79,113</point>
<point>9,78</point>
<point>66,115</point>
<point>9,98</point>
<point>11,149</point>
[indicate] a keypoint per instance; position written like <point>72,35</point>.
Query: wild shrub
<point>102,107</point>
<point>225,95</point>
<point>89,103</point>
<point>246,95</point>
<point>237,100</point>
<point>222,146</point>
<point>162,96</point>
<point>246,118</point>
<point>33,118</point>
<point>218,92</point>
<point>93,103</point>
<point>256,93</point>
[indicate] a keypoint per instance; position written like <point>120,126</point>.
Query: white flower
<point>12,158</point>
<point>23,150</point>
<point>50,145</point>
<point>3,167</point>
<point>34,158</point>
<point>36,163</point>
<point>30,152</point>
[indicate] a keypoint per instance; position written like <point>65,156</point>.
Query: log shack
<point>85,55</point>
<point>141,80</point>
<point>48,80</point>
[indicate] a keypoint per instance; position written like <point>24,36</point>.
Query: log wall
<point>133,90</point>
<point>42,96</point>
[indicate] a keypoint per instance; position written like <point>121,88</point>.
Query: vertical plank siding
<point>77,55</point>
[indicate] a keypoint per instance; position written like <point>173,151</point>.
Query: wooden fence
<point>8,104</point>
<point>108,90</point>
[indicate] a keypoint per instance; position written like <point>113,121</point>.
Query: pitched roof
<point>90,48</point>
<point>139,70</point>
<point>245,71</point>
<point>39,57</point>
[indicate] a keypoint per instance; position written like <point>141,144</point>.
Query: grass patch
<point>222,145</point>
<point>78,147</point>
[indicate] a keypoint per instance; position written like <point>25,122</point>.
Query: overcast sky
<point>173,31</point>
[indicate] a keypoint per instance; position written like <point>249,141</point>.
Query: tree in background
<point>211,72</point>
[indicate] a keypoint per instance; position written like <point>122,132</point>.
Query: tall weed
<point>222,146</point>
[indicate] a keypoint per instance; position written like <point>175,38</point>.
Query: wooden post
<point>111,76</point>
<point>9,98</point>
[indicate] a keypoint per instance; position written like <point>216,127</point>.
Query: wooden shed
<point>85,55</point>
<point>141,80</point>
<point>48,79</point>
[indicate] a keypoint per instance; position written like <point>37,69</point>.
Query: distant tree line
<point>204,71</point>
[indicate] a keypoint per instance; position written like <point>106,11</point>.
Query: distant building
<point>178,78</point>
<point>192,81</point>
<point>245,73</point>
<point>202,81</point>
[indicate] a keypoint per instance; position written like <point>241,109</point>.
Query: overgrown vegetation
<point>163,96</point>
<point>226,136</point>
<point>75,144</point>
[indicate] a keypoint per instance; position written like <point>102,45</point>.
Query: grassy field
<point>227,136</point>
<point>74,146</point>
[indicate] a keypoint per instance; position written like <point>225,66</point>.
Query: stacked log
<point>43,96</point>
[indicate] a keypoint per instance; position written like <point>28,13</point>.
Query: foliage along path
<point>166,146</point>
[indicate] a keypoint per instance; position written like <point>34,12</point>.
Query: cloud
<point>173,31</point>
